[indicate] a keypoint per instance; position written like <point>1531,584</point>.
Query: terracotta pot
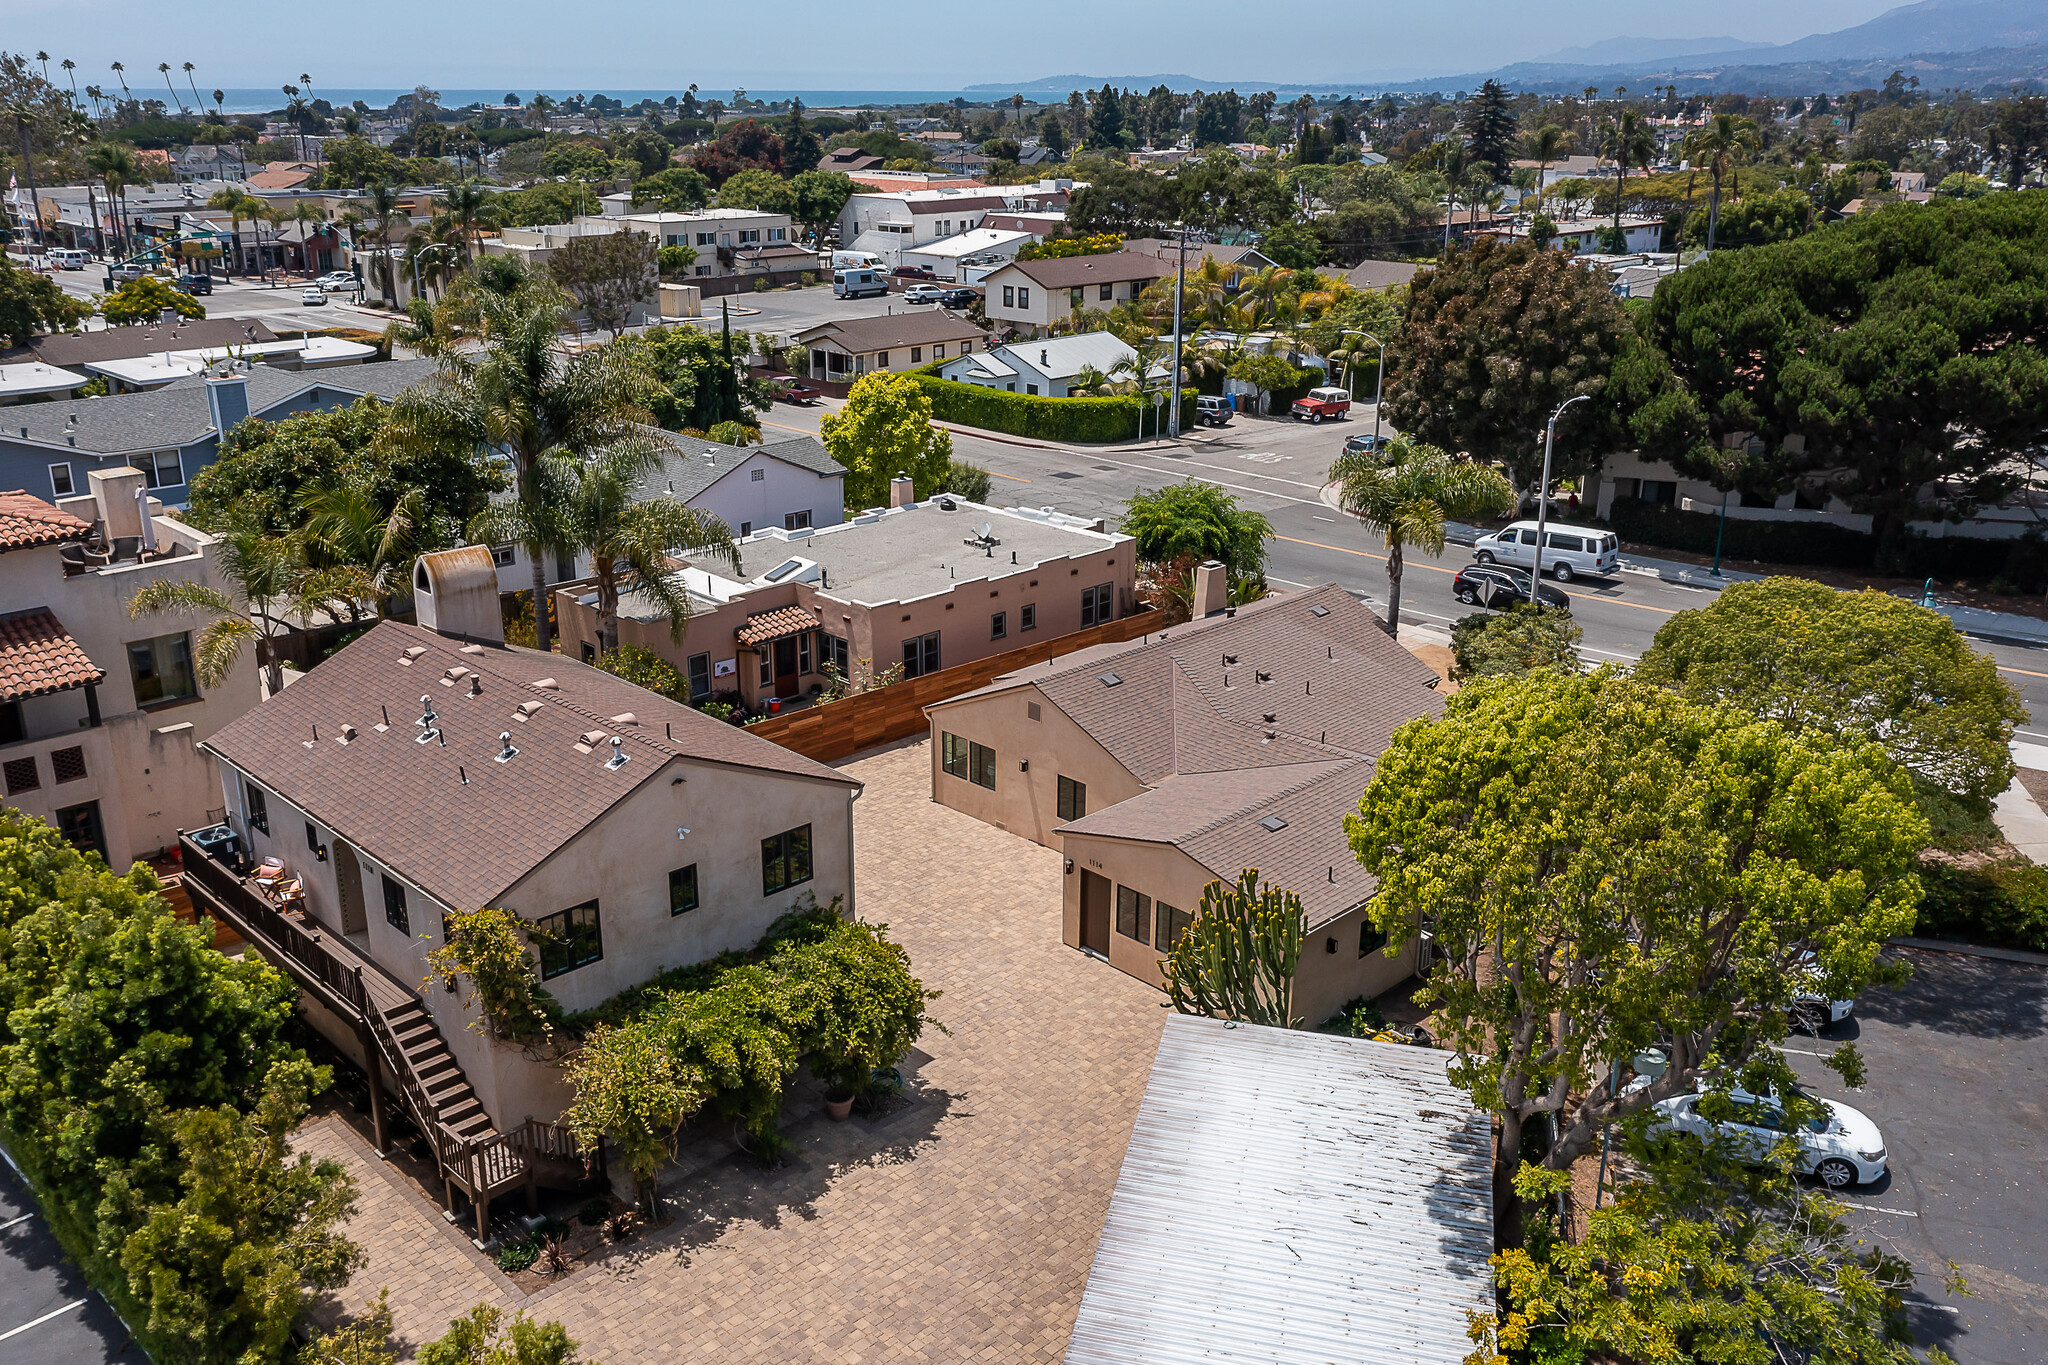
<point>839,1104</point>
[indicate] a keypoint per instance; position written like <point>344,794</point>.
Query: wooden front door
<point>1095,900</point>
<point>348,883</point>
<point>785,668</point>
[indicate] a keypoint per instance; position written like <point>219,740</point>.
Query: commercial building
<point>891,222</point>
<point>919,586</point>
<point>727,241</point>
<point>1237,740</point>
<point>101,713</point>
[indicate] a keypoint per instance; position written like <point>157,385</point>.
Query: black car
<point>196,284</point>
<point>1497,588</point>
<point>959,298</point>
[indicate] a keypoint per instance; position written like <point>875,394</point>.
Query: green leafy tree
<point>674,262</point>
<point>1495,338</point>
<point>886,429</point>
<point>1630,142</point>
<point>634,1090</point>
<point>1194,520</point>
<point>820,195</point>
<point>1895,347</point>
<point>759,191</point>
<point>644,668</point>
<point>851,1001</point>
<point>646,149</point>
<point>486,1336</point>
<point>31,303</point>
<point>608,273</point>
<point>1757,220</point>
<point>1510,643</point>
<point>1404,495</point>
<point>1265,373</point>
<point>272,590</point>
<point>1605,866</point>
<point>800,149</point>
<point>1726,140</point>
<point>146,299</point>
<point>968,481</point>
<point>1237,957</point>
<point>697,381</point>
<point>1862,667</point>
<point>366,1339</point>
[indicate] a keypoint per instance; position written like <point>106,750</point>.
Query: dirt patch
<point>1439,659</point>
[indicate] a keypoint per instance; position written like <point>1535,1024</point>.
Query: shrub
<point>144,300</point>
<point>2004,905</point>
<point>644,668</point>
<point>1484,645</point>
<point>518,1254</point>
<point>594,1212</point>
<point>967,481</point>
<point>1080,420</point>
<point>489,947</point>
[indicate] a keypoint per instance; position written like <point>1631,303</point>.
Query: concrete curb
<point>1936,945</point>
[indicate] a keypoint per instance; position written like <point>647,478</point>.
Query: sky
<point>805,45</point>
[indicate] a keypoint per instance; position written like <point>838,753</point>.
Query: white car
<point>339,282</point>
<point>314,296</point>
<point>923,293</point>
<point>1843,1147</point>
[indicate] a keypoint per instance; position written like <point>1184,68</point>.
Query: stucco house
<point>845,350</point>
<point>1047,367</point>
<point>1029,296</point>
<point>1238,740</point>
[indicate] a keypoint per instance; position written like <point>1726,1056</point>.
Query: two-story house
<point>1029,296</point>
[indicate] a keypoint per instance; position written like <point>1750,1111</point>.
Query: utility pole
<point>1173,378</point>
<point>1543,495</point>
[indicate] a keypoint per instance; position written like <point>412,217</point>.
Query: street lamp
<point>1379,379</point>
<point>1543,493</point>
<point>436,246</point>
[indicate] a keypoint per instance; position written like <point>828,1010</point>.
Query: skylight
<point>782,570</point>
<point>1273,823</point>
<point>1110,680</point>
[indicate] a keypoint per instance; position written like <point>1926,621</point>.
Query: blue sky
<point>798,44</point>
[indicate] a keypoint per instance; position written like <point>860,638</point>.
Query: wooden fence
<point>836,729</point>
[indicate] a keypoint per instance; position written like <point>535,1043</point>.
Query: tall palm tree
<point>295,114</point>
<point>385,210</point>
<point>164,70</point>
<point>219,98</point>
<point>346,527</point>
<point>269,579</point>
<point>122,72</point>
<point>465,203</point>
<point>1629,140</point>
<point>522,395</point>
<point>71,70</point>
<point>44,58</point>
<point>539,109</point>
<point>589,505</point>
<point>237,204</point>
<point>97,96</point>
<point>1725,139</point>
<point>201,104</point>
<point>1547,144</point>
<point>116,165</point>
<point>1405,493</point>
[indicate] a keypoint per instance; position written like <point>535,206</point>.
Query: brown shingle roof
<point>125,343</point>
<point>38,657</point>
<point>893,332</point>
<point>26,520</point>
<point>1110,267</point>
<point>407,804</point>
<point>764,626</point>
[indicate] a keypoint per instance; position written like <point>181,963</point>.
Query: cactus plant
<point>1237,959</point>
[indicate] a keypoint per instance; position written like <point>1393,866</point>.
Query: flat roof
<point>30,377</point>
<point>1292,1198</point>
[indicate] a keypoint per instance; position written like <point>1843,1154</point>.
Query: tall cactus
<point>1237,959</point>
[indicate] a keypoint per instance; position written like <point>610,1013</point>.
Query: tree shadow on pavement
<point>1970,996</point>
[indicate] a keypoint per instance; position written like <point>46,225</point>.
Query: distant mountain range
<point>1615,50</point>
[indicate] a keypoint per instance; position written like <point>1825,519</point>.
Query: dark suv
<point>196,284</point>
<point>959,298</point>
<point>1214,411</point>
<point>1497,588</point>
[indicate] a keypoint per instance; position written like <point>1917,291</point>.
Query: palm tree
<point>164,69</point>
<point>539,109</point>
<point>116,165</point>
<point>1405,493</point>
<point>1628,140</point>
<point>237,204</point>
<point>588,505</point>
<point>385,211</point>
<point>219,98</point>
<point>267,574</point>
<point>1547,144</point>
<point>44,58</point>
<point>122,72</point>
<point>523,396</point>
<point>195,87</point>
<point>295,114</point>
<point>71,70</point>
<point>97,96</point>
<point>1724,139</point>
<point>346,527</point>
<point>465,202</point>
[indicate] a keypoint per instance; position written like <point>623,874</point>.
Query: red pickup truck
<point>1317,404</point>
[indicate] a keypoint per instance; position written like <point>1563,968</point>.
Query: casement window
<point>162,669</point>
<point>921,655</point>
<point>1133,914</point>
<point>394,907</point>
<point>569,940</point>
<point>837,654</point>
<point>1168,926</point>
<point>682,889</point>
<point>999,625</point>
<point>803,654</point>
<point>1073,799</point>
<point>60,480</point>
<point>254,806</point>
<point>1027,617</point>
<point>1098,604</point>
<point>1009,296</point>
<point>785,860</point>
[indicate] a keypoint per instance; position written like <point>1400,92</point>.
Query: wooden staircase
<point>424,1056</point>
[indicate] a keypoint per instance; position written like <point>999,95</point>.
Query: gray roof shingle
<point>696,463</point>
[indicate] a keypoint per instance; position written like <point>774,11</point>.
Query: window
<point>776,235</point>
<point>1098,604</point>
<point>881,360</point>
<point>1079,294</point>
<point>1104,295</point>
<point>965,347</point>
<point>916,354</point>
<point>836,654</point>
<point>1027,617</point>
<point>1170,924</point>
<point>797,521</point>
<point>939,351</point>
<point>953,749</point>
<point>1528,537</point>
<point>921,655</point>
<point>589,652</point>
<point>746,529</point>
<point>12,731</point>
<point>394,907</point>
<point>67,765</point>
<point>1009,297</point>
<point>785,860</point>
<point>703,270</point>
<point>700,676</point>
<point>757,476</point>
<point>312,837</point>
<point>257,809</point>
<point>569,940</point>
<point>767,665</point>
<point>1133,914</point>
<point>803,653</point>
<point>748,235</point>
<point>1073,799</point>
<point>162,669</point>
<point>1558,542</point>
<point>1370,937</point>
<point>163,469</point>
<point>504,556</point>
<point>21,775</point>
<point>704,239</point>
<point>60,480</point>
<point>1031,388</point>
<point>682,889</point>
<point>998,625</point>
<point>964,758</point>
<point>1023,296</point>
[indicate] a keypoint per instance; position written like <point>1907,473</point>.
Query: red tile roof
<point>37,657</point>
<point>26,520</point>
<point>775,625</point>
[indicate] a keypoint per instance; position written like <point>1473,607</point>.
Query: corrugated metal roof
<point>1292,1198</point>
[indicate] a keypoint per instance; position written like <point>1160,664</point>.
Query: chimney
<point>227,401</point>
<point>114,496</point>
<point>902,491</point>
<point>455,593</point>
<point>1212,588</point>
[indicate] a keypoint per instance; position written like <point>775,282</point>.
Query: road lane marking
<point>1872,1208</point>
<point>2021,671</point>
<point>12,1221</point>
<point>1437,568</point>
<point>56,1313</point>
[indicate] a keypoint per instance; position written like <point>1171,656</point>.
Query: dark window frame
<point>1098,604</point>
<point>396,913</point>
<point>779,860</point>
<point>181,672</point>
<point>255,808</point>
<point>1169,922</point>
<point>1133,914</point>
<point>682,886</point>
<point>557,936</point>
<point>1072,799</point>
<point>1027,617</point>
<point>999,626</point>
<point>1371,938</point>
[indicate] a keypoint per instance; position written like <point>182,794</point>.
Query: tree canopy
<point>1196,520</point>
<point>608,273</point>
<point>32,303</point>
<point>884,430</point>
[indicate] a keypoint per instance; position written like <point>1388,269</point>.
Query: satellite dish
<point>987,527</point>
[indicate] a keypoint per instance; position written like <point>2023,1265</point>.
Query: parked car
<point>924,293</point>
<point>1497,589</point>
<point>124,273</point>
<point>1213,411</point>
<point>195,284</point>
<point>1842,1146</point>
<point>314,296</point>
<point>339,282</point>
<point>796,391</point>
<point>1317,404</point>
<point>1365,443</point>
<point>858,283</point>
<point>914,272</point>
<point>69,258</point>
<point>1567,550</point>
<point>960,298</point>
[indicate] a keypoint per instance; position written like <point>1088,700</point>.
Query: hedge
<point>2001,906</point>
<point>1086,421</point>
<point>2022,564</point>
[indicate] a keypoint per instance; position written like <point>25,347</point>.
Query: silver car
<point>924,293</point>
<point>1842,1146</point>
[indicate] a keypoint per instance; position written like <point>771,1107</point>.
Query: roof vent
<point>625,718</point>
<point>1319,610</point>
<point>1229,659</point>
<point>476,685</point>
<point>1261,677</point>
<point>454,675</point>
<point>348,733</point>
<point>589,740</point>
<point>427,716</point>
<point>506,753</point>
<point>548,683</point>
<point>618,758</point>
<point>1271,716</point>
<point>525,710</point>
<point>472,649</point>
<point>1273,823</point>
<point>412,652</point>
<point>1110,680</point>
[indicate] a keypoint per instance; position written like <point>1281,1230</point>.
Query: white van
<point>1567,550</point>
<point>69,258</point>
<point>857,260</point>
<point>858,284</point>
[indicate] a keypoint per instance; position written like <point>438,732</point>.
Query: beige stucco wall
<point>1024,802</point>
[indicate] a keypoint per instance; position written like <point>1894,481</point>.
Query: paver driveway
<point>958,1228</point>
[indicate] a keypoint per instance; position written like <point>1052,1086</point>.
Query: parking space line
<point>12,1221</point>
<point>1872,1208</point>
<point>54,1313</point>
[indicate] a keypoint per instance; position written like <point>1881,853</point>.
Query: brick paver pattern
<point>960,1228</point>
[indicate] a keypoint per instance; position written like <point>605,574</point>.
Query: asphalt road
<point>1957,1058</point>
<point>47,1312</point>
<point>1280,467</point>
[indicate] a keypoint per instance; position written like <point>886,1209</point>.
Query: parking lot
<point>46,1311</point>
<point>1957,1059</point>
